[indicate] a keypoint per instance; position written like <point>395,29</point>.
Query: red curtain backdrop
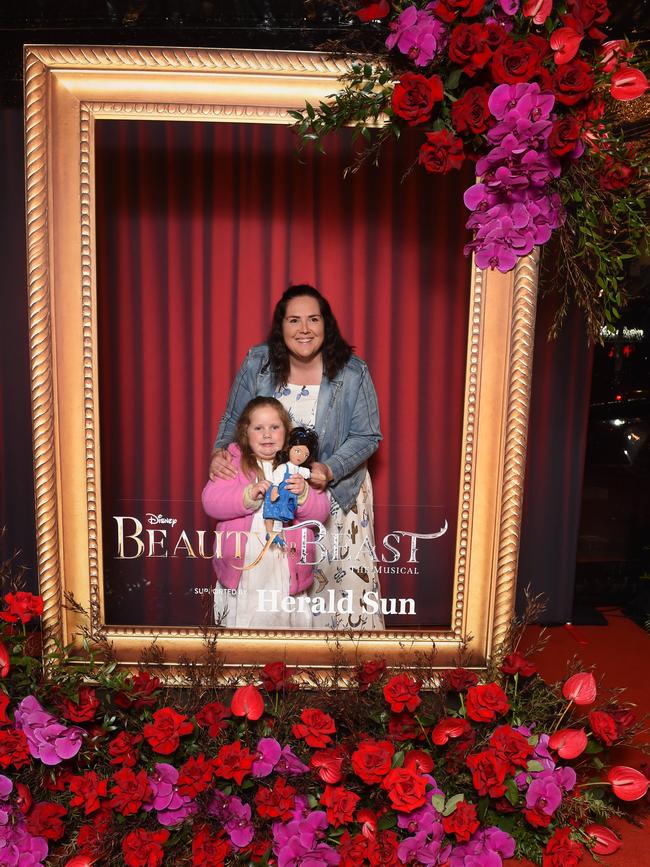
<point>560,389</point>
<point>200,228</point>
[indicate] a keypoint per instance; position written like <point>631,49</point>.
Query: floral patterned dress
<point>347,584</point>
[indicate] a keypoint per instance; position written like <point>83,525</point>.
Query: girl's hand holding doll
<point>296,484</point>
<point>257,491</point>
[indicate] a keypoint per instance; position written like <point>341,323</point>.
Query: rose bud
<point>247,701</point>
<point>568,743</point>
<point>580,688</point>
<point>605,841</point>
<point>628,784</point>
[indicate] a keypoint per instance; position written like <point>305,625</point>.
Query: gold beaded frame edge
<point>67,89</point>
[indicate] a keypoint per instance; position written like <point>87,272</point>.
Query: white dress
<point>347,584</point>
<point>245,607</point>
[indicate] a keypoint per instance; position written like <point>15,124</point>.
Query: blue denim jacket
<point>347,418</point>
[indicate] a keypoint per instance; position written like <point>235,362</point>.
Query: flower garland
<point>528,91</point>
<point>466,774</point>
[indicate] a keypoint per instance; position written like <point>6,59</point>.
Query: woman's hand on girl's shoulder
<point>221,465</point>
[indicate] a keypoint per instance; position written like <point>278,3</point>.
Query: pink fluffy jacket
<point>224,500</point>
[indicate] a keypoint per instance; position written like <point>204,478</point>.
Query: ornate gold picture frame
<point>67,90</point>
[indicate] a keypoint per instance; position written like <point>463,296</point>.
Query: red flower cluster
<point>165,732</point>
<point>22,607</point>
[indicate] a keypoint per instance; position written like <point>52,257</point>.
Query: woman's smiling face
<point>303,328</point>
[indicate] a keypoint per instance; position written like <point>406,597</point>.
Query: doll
<point>279,502</point>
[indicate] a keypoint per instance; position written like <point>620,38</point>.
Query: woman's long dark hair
<point>336,351</point>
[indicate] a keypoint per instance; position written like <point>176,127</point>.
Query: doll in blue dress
<point>279,502</point>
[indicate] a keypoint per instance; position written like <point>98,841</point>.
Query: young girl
<point>261,586</point>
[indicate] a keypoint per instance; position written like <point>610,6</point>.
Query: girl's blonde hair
<point>249,463</point>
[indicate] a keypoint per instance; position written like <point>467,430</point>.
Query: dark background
<point>607,526</point>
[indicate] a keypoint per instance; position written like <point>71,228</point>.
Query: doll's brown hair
<point>249,463</point>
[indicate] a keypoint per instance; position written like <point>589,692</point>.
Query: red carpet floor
<point>620,653</point>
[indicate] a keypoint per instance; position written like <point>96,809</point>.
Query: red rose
<point>372,11</point>
<point>247,701</point>
<point>165,732</point>
<point>144,848</point>
<point>371,761</point>
<point>580,688</point>
<point>82,710</point>
<point>451,727</point>
<point>488,773</point>
<point>404,727</point>
<point>616,175</point>
<point>328,764</point>
<point>46,820</point>
<point>353,851</point>
<point>419,761</point>
<point>623,716</point>
<point>565,134</point>
<point>470,112</point>
<point>586,14</point>
<point>402,693</point>
<point>486,702</point>
<point>276,803</point>
<point>316,727</point>
<point>406,789</point>
<point>469,47</point>
<point>209,849</point>
<point>515,62</point>
<point>603,726</point>
<point>141,691</point>
<point>213,717</point>
<point>561,851</point>
<point>276,677</point>
<point>195,776</point>
<point>516,663</point>
<point>123,749</point>
<point>382,850</point>
<point>234,762</point>
<point>459,679</point>
<point>441,152</point>
<point>369,672</point>
<point>573,82</point>
<point>129,791</point>
<point>22,606</point>
<point>340,804</point>
<point>536,817</point>
<point>462,822</point>
<point>511,747</point>
<point>414,97</point>
<point>87,792</point>
<point>59,779</point>
<point>447,10</point>
<point>91,839</point>
<point>14,749</point>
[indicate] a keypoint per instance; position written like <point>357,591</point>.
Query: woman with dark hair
<point>309,367</point>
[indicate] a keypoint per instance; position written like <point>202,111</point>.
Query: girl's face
<point>266,433</point>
